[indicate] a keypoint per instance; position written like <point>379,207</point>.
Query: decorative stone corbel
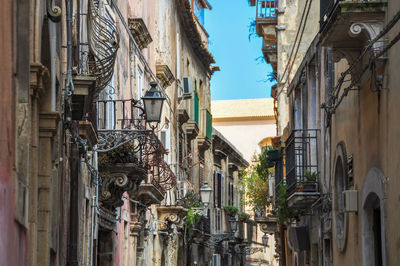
<point>268,225</point>
<point>372,28</point>
<point>117,179</point>
<point>164,74</point>
<point>170,215</point>
<point>38,73</point>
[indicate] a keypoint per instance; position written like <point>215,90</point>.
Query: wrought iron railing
<point>122,121</point>
<point>103,39</point>
<point>119,115</point>
<point>204,225</point>
<point>266,9</point>
<point>279,174</point>
<point>301,160</point>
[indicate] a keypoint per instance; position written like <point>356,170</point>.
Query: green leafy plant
<point>310,176</point>
<point>255,182</point>
<point>263,164</point>
<point>281,210</point>
<point>231,209</point>
<point>192,219</point>
<point>243,215</point>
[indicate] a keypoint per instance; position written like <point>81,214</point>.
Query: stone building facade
<point>342,101</point>
<point>86,180</point>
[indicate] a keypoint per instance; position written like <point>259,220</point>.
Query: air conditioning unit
<point>350,200</point>
<point>187,87</point>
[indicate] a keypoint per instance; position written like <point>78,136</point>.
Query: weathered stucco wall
<point>13,237</point>
<point>289,16</point>
<point>245,135</point>
<point>368,123</point>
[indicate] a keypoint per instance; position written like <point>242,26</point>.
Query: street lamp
<point>233,224</point>
<point>205,194</point>
<point>265,240</point>
<point>153,102</point>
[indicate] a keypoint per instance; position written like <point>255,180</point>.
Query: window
<point>339,216</point>
<point>218,188</point>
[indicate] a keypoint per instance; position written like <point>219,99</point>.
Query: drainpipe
<point>52,33</point>
<point>95,204</point>
<point>69,86</point>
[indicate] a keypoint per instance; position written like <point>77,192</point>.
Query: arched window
<point>339,185</point>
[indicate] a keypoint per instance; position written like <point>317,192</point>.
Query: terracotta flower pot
<point>242,219</point>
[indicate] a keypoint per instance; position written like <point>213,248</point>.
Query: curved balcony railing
<point>103,38</point>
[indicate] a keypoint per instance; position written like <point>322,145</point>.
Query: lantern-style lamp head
<point>265,240</point>
<point>233,224</point>
<point>153,102</point>
<point>205,194</point>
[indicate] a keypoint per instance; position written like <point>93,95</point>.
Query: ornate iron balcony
<point>302,164</point>
<point>129,152</point>
<point>103,38</point>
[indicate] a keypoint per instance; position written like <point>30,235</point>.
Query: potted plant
<point>309,184</point>
<point>269,164</point>
<point>230,210</point>
<point>274,154</point>
<point>243,217</point>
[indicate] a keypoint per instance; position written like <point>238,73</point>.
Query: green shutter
<point>196,108</point>
<point>208,125</point>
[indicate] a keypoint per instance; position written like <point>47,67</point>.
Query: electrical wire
<point>365,68</point>
<point>349,70</point>
<point>301,28</point>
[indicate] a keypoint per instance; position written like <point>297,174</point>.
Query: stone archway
<point>373,219</point>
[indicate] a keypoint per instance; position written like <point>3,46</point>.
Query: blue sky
<point>241,76</point>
